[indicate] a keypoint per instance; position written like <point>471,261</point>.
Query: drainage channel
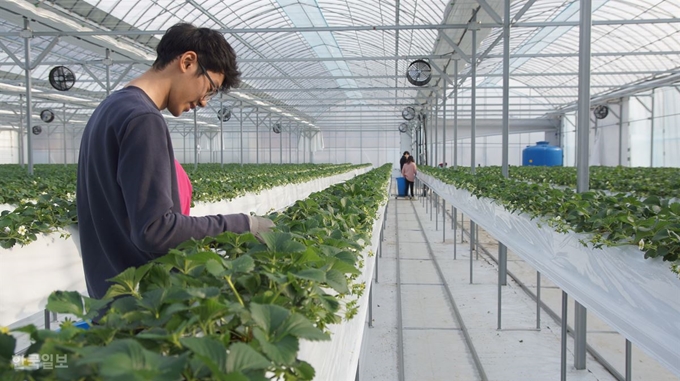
<point>458,317</point>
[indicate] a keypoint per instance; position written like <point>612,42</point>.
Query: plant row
<point>211,182</point>
<point>230,307</point>
<point>652,224</point>
<point>637,181</point>
<point>46,201</point>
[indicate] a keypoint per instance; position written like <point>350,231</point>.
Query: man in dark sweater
<point>127,193</point>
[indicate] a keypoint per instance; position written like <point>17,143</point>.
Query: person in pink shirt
<point>409,171</point>
<point>185,189</point>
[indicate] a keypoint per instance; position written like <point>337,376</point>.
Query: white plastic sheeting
<point>338,358</point>
<point>273,199</point>
<point>30,273</point>
<point>640,298</point>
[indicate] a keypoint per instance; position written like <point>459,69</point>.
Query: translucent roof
<point>342,63</point>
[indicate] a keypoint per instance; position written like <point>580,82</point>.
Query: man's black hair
<point>406,153</point>
<point>213,50</point>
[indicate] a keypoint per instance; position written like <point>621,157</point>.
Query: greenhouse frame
<point>469,278</point>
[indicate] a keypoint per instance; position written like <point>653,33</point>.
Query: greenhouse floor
<point>434,345</point>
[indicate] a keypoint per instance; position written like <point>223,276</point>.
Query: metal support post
<point>651,137</point>
<point>221,136</point>
<point>257,135</point>
<point>240,120</point>
<point>538,300</point>
<point>443,122</point>
<point>21,130</point>
<point>502,264</point>
<point>370,301</point>
<point>476,242</point>
<point>443,221</point>
<point>500,303</point>
<point>436,209</point>
<point>47,319</point>
<point>64,128</point>
<point>580,325</point>
<point>107,64</point>
<point>472,245</point>
<point>27,35</point>
<point>629,362</point>
<point>473,100</point>
<point>435,151</point>
<point>621,131</point>
<point>563,353</point>
<point>502,249</point>
<point>455,228</point>
<point>290,144</point>
<point>455,114</point>
<point>376,264</point>
<point>583,135</point>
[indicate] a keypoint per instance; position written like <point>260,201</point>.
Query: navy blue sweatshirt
<point>127,195</point>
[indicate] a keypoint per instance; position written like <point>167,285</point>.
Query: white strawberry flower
<point>22,230</point>
<point>641,244</point>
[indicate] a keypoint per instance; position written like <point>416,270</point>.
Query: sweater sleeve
<point>144,175</point>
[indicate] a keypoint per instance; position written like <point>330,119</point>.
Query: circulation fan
<point>36,130</point>
<point>62,78</point>
<point>419,73</point>
<point>276,128</point>
<point>408,113</point>
<point>601,111</point>
<point>403,128</point>
<point>46,116</point>
<point>224,114</point>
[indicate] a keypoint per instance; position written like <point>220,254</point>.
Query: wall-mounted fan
<point>276,128</point>
<point>36,130</point>
<point>224,114</point>
<point>601,111</point>
<point>403,128</point>
<point>408,113</point>
<point>419,73</point>
<point>62,78</point>
<point>46,116</point>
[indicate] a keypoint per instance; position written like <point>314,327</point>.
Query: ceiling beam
<point>375,58</point>
<point>353,28</point>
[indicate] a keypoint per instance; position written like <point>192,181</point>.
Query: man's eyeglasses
<point>213,88</point>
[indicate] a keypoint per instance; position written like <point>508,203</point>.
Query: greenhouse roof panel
<point>327,49</point>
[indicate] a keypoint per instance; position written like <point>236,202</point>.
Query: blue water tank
<point>542,154</point>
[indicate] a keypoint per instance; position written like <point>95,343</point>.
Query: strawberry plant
<point>223,308</point>
<point>651,223</point>
<point>638,181</point>
<point>45,202</point>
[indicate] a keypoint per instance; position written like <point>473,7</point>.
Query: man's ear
<point>188,61</point>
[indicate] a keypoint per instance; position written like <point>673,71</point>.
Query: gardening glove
<point>260,225</point>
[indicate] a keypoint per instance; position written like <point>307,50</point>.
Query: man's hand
<point>260,225</point>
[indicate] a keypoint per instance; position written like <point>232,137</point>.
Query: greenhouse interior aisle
<point>411,298</point>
